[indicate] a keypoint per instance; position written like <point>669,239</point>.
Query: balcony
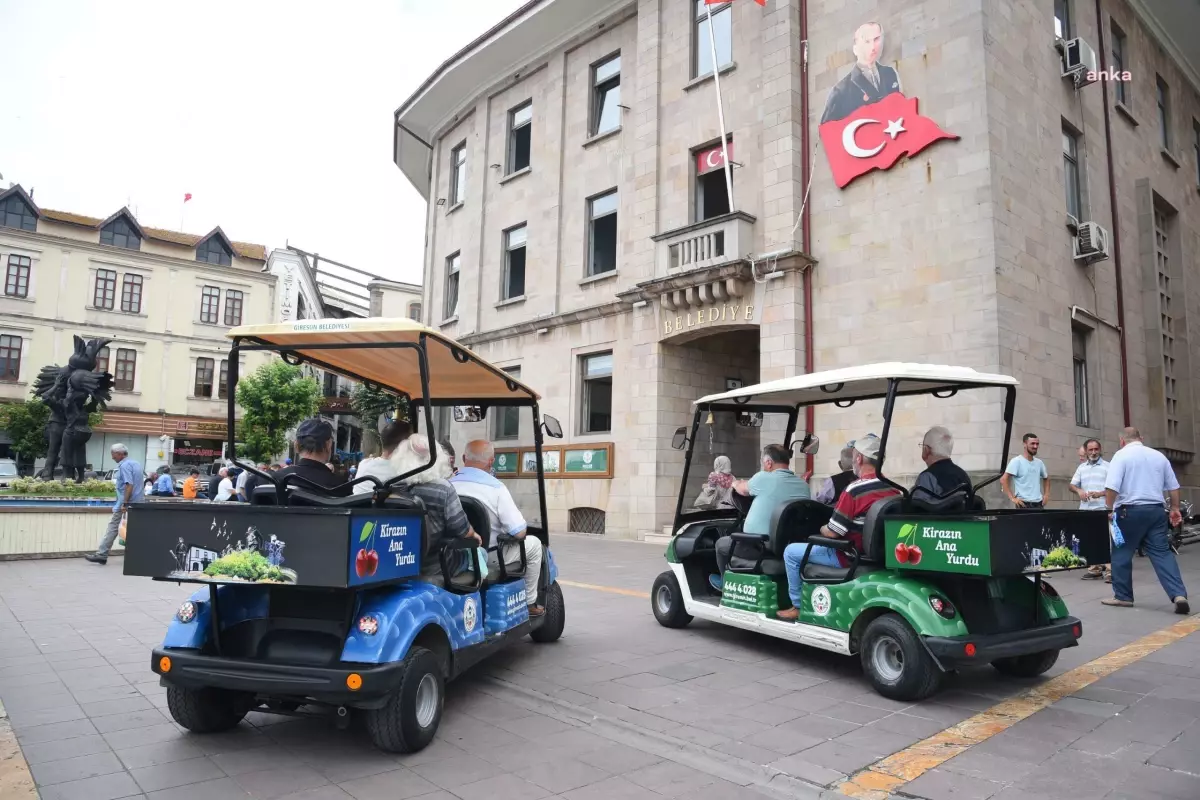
<point>701,245</point>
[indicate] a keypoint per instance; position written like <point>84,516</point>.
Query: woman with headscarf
<point>718,487</point>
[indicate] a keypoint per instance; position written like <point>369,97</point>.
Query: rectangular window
<point>520,137</point>
<point>204,378</point>
<point>451,305</point>
<point>223,380</point>
<point>126,370</point>
<point>602,233</point>
<point>15,213</point>
<point>105,294</point>
<point>16,280</point>
<point>414,312</point>
<point>712,192</point>
<point>210,304</point>
<point>1166,296</point>
<point>102,360</point>
<point>596,414</point>
<point>1062,19</point>
<point>233,307</point>
<point>722,29</point>
<point>1079,360</point>
<point>1163,95</point>
<point>508,420</point>
<point>1118,58</point>
<point>606,95</point>
<point>10,359</point>
<point>1071,173</point>
<point>514,263</point>
<point>131,294</point>
<point>120,233</point>
<point>458,174</point>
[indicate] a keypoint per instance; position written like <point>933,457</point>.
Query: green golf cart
<point>941,582</point>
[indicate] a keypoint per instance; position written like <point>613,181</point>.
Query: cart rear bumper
<point>958,651</point>
<point>191,670</point>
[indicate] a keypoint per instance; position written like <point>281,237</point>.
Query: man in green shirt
<point>774,484</point>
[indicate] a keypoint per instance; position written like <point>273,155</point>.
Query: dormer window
<point>120,232</point>
<point>213,250</point>
<point>16,213</point>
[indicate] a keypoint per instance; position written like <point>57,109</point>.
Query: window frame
<point>1162,100</point>
<point>506,270</point>
<point>507,413</point>
<point>453,271</point>
<point>213,312</point>
<point>104,290</point>
<point>129,283</point>
<point>1072,185</point>
<point>592,218</point>
<point>600,87</point>
<point>17,275</point>
<point>27,220</point>
<point>223,380</point>
<point>458,174</point>
<point>513,128</point>
<point>701,46</point>
<point>103,356</point>
<point>9,351</point>
<point>1119,41</point>
<point>414,305</point>
<point>1063,19</point>
<point>202,385</point>
<point>128,232</point>
<point>1080,378</point>
<point>125,362</point>
<point>585,383</point>
<point>224,255</point>
<point>235,299</point>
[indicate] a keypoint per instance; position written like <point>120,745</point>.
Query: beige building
<point>165,299</point>
<point>579,230</point>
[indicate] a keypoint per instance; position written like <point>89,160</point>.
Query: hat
<point>868,445</point>
<point>315,428</point>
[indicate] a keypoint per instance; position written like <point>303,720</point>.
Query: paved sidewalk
<point>619,708</point>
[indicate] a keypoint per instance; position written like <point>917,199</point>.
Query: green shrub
<point>1061,557</point>
<point>43,488</point>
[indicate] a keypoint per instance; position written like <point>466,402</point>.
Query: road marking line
<point>15,780</point>
<point>610,589</point>
<point>885,776</point>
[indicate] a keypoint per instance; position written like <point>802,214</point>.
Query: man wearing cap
<point>846,522</point>
<point>314,440</point>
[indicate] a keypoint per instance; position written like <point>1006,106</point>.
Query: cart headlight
<point>368,625</point>
<point>943,607</point>
<point>186,612</point>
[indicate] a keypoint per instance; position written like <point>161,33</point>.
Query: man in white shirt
<point>225,488</point>
<point>1133,489</point>
<point>475,479</point>
<point>1088,484</point>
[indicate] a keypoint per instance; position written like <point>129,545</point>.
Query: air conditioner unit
<point>1079,62</point>
<point>1091,243</point>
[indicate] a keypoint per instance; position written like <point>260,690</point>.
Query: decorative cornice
<point>702,224</point>
<point>549,323</point>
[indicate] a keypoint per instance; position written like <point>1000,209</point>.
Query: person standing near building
<point>1025,480</point>
<point>128,479</point>
<point>1088,483</point>
<point>1133,492</point>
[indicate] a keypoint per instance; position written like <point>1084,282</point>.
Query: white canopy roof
<point>857,383</point>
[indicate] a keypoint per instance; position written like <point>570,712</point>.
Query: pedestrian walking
<point>1137,478</point>
<point>1088,484</point>
<point>128,478</point>
<point>1025,480</point>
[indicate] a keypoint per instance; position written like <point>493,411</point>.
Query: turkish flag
<point>876,135</point>
<point>187,197</point>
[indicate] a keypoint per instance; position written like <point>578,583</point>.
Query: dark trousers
<point>724,550</point>
<point>1145,526</point>
<point>1030,506</point>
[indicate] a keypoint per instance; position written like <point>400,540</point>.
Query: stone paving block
<point>74,769</point>
<point>789,738</point>
<point>220,789</point>
<point>58,730</point>
<point>240,738</point>
<point>617,759</point>
<point>135,719</point>
<point>855,712</point>
<point>1071,773</point>
<point>563,775</point>
<point>1103,694</point>
<point>615,788</point>
<point>939,784</point>
<point>160,753</point>
<point>24,720</point>
<point>872,739</point>
<point>670,779</point>
<point>1150,781</point>
<point>103,787</point>
<point>453,774</point>
<point>988,766</point>
<point>396,785</point>
<point>1183,754</point>
<point>178,773</point>
<point>274,783</point>
<point>840,757</point>
<point>800,767</point>
<point>332,792</point>
<point>502,787</point>
<point>59,749</point>
<point>148,734</point>
<point>908,725</point>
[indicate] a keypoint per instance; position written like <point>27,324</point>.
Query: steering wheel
<point>741,502</point>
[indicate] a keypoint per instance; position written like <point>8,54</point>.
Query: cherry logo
<point>907,553</point>
<point>367,560</point>
<point>914,554</point>
<point>902,553</point>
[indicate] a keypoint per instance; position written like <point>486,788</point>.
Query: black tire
<point>555,619</point>
<point>666,600</point>
<point>1027,666</point>
<point>896,662</point>
<point>410,718</point>
<point>208,710</point>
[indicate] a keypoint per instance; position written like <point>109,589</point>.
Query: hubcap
<point>663,600</point>
<point>888,658</point>
<point>427,700</point>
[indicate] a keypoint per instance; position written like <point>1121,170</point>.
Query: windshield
<point>726,448</point>
<point>8,469</point>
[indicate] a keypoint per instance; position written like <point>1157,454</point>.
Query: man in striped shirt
<point>1088,484</point>
<point>846,523</point>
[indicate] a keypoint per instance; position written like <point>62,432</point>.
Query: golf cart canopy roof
<point>455,373</point>
<point>856,383</point>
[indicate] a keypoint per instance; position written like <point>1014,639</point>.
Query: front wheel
<point>555,619</point>
<point>667,601</point>
<point>408,721</point>
<point>1026,666</point>
<point>895,661</point>
<point>208,710</point>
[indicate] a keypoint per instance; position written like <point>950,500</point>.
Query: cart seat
<point>822,572</point>
<point>485,522</point>
<point>873,540</point>
<point>791,521</point>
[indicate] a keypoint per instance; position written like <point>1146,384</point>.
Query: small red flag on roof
<point>187,197</point>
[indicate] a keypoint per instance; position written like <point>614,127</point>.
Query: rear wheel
<point>667,601</point>
<point>1027,666</point>
<point>896,662</point>
<point>408,721</point>
<point>208,710</point>
<point>555,619</point>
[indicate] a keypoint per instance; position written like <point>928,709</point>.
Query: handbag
<point>709,497</point>
<point>121,528</point>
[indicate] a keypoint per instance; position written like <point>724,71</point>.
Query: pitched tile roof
<point>256,252</point>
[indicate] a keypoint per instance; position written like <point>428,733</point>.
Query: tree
<point>369,404</point>
<point>26,425</point>
<point>274,399</point>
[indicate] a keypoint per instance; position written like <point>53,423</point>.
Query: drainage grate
<point>585,520</point>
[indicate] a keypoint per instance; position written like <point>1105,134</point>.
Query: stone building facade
<point>961,253</point>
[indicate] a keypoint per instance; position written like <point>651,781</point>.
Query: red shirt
<point>851,511</point>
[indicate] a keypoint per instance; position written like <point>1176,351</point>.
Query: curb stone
<point>16,782</point>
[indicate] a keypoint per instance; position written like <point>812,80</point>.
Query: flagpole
<point>712,43</point>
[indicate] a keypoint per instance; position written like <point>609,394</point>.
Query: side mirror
<point>552,426</point>
<point>750,419</point>
<point>810,445</point>
<point>468,413</point>
<point>679,440</point>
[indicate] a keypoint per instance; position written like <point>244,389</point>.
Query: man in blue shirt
<point>164,484</point>
<point>129,479</point>
<point>1025,480</point>
<point>1133,489</point>
<point>774,484</point>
